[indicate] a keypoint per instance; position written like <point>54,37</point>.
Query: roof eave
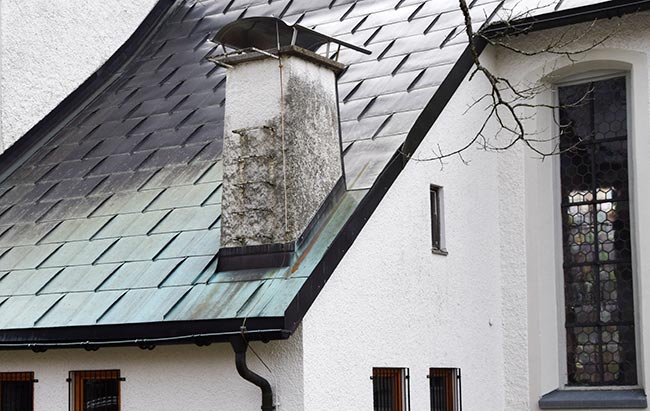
<point>145,335</point>
<point>560,18</point>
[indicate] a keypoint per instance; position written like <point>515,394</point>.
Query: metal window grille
<point>436,218</point>
<point>390,388</point>
<point>17,391</point>
<point>444,387</point>
<point>95,390</point>
<point>597,249</point>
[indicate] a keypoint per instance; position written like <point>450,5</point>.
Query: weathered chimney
<point>282,149</point>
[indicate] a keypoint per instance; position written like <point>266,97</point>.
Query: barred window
<point>95,390</point>
<point>444,388</point>
<point>16,391</point>
<point>597,249</point>
<point>390,387</point>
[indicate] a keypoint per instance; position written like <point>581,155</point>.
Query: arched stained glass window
<point>597,250</point>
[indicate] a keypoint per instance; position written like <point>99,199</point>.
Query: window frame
<point>544,294</point>
<point>18,376</point>
<point>452,381</point>
<point>436,208</point>
<point>577,79</point>
<point>401,394</point>
<point>76,385</point>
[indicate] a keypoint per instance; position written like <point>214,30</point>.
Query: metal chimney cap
<point>270,33</point>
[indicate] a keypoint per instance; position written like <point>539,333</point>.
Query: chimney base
<point>256,256</point>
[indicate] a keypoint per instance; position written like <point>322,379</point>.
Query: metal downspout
<point>239,345</point>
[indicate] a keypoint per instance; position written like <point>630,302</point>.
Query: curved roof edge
<point>72,104</point>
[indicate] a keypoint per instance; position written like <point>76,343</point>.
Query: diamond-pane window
<point>597,250</point>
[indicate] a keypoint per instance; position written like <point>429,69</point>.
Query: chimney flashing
<point>280,255</point>
<point>256,256</point>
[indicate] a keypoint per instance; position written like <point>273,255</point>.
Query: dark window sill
<point>577,399</point>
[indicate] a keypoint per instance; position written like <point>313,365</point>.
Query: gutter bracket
<point>240,346</point>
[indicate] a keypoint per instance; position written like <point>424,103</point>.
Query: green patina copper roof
<point>114,216</point>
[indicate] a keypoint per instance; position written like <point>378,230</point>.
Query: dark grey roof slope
<point>109,228</point>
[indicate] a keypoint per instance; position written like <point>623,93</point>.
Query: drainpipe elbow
<point>240,347</point>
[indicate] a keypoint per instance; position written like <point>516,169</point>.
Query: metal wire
<point>137,342</point>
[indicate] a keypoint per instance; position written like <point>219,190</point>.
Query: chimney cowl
<point>270,33</point>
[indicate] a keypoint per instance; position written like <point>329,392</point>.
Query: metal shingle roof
<point>114,219</point>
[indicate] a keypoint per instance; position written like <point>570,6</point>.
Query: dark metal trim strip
<point>608,10</point>
<point>64,111</point>
<point>144,335</point>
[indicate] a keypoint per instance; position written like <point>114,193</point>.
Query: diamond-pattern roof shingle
<point>114,218</point>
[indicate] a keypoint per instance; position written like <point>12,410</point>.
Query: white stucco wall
<point>392,303</point>
<point>170,378</point>
<point>48,48</point>
<point>404,307</point>
<point>626,52</point>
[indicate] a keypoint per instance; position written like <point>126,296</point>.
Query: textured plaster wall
<point>50,47</point>
<point>625,52</point>
<point>492,306</point>
<point>392,303</point>
<point>169,378</point>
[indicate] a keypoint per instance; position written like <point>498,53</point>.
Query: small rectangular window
<point>95,390</point>
<point>444,386</point>
<point>390,389</point>
<point>16,391</point>
<point>437,245</point>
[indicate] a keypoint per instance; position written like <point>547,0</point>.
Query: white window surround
<point>573,81</point>
<point>547,358</point>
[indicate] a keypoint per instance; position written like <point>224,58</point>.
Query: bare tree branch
<point>507,105</point>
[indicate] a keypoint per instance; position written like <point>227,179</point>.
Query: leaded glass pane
<point>596,234</point>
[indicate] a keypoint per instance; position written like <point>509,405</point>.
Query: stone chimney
<point>282,149</point>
